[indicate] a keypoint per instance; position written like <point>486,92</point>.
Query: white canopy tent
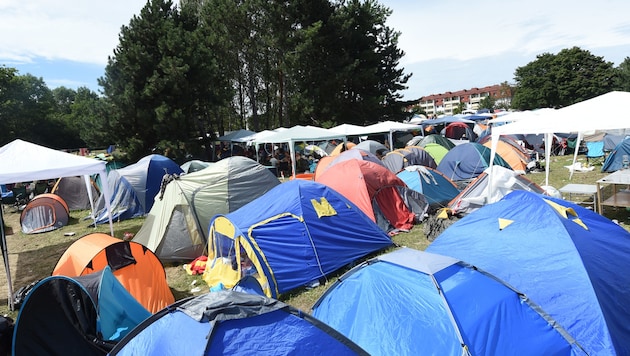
<point>23,161</point>
<point>388,127</point>
<point>300,134</point>
<point>599,113</point>
<point>253,138</point>
<point>347,129</point>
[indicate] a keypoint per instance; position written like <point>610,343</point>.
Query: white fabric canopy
<point>388,127</point>
<point>604,112</point>
<point>23,161</point>
<point>300,133</point>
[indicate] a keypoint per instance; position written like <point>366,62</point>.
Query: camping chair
<point>595,152</point>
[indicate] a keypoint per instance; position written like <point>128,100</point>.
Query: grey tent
<point>74,192</point>
<point>176,227</point>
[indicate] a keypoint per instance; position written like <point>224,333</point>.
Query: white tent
<point>599,113</point>
<point>388,127</point>
<point>23,161</point>
<point>235,136</point>
<point>300,133</point>
<point>347,129</point>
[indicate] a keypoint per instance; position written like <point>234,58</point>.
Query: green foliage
<point>161,80</point>
<point>571,76</point>
<point>622,81</point>
<point>487,103</point>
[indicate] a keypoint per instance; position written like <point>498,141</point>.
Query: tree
<point>348,66</point>
<point>162,81</point>
<point>622,82</point>
<point>504,97</point>
<point>571,76</point>
<point>487,103</point>
<point>89,115</point>
<point>460,108</point>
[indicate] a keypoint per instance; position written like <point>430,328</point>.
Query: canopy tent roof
<point>599,113</point>
<point>24,161</point>
<point>347,129</point>
<point>446,120</point>
<point>300,133</point>
<point>518,115</point>
<point>234,136</point>
<point>388,126</point>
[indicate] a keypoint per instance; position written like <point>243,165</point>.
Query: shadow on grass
<point>33,265</point>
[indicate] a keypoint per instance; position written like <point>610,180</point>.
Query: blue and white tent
<point>133,188</point>
<point>437,188</point>
<point>233,323</point>
<point>615,160</point>
<point>569,260</point>
<point>411,302</point>
<point>295,234</point>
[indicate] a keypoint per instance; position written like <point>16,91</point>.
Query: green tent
<point>176,227</point>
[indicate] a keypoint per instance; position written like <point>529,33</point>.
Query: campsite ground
<point>33,257</point>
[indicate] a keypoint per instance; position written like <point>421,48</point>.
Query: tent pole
<point>575,153</point>
<point>5,255</point>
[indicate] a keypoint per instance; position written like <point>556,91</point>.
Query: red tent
<point>378,192</point>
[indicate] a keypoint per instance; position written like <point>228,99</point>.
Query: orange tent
<point>342,147</point>
<point>515,158</point>
<point>133,265</point>
<point>45,212</point>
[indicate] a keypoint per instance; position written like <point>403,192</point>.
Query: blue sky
<point>449,44</point>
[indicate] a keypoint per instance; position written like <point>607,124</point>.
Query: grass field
<point>33,257</point>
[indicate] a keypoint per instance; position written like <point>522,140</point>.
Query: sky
<point>449,45</point>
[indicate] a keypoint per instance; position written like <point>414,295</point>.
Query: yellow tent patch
<point>323,207</point>
<point>565,212</point>
<point>503,223</point>
<point>443,214</point>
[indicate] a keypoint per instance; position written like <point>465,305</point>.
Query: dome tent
<point>134,187</point>
<point>291,235</point>
<point>427,304</point>
<point>176,227</point>
<point>45,212</point>
<point>133,265</point>
<point>565,257</point>
<point>84,315</point>
<point>233,323</point>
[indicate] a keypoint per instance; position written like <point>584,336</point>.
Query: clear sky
<point>449,44</point>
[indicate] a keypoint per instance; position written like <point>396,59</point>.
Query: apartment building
<point>446,103</point>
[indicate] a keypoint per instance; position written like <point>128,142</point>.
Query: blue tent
<point>467,161</point>
<point>438,189</point>
<point>233,323</point>
<point>411,302</point>
<point>133,188</point>
<point>295,234</point>
<point>84,315</point>
<point>568,259</point>
<point>614,161</point>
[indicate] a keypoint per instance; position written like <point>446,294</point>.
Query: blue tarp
<point>568,259</point>
<point>393,305</point>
